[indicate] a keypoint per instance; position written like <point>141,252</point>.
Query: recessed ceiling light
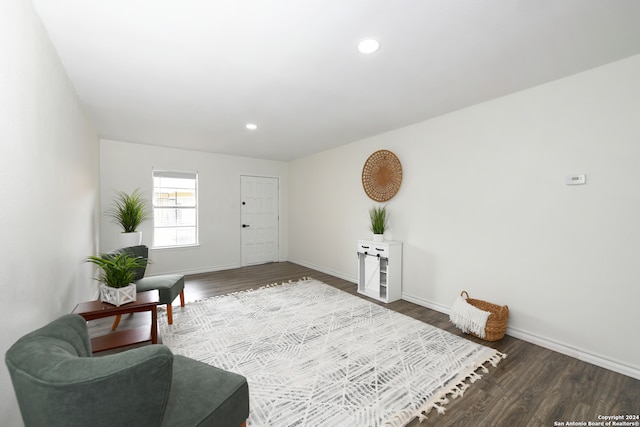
<point>368,46</point>
<point>251,126</point>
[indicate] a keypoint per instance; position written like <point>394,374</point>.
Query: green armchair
<point>169,286</point>
<point>59,383</point>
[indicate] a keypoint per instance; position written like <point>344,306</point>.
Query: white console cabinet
<point>380,269</point>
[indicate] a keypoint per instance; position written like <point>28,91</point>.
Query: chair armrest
<point>128,388</point>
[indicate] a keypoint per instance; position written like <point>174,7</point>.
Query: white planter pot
<point>130,239</point>
<point>117,296</point>
<point>378,237</point>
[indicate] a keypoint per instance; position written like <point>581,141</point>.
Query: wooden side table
<point>145,301</point>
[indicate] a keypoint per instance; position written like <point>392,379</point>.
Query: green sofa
<point>59,383</point>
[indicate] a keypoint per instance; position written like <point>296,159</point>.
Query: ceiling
<point>192,73</point>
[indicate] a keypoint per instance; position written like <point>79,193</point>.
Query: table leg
<point>154,325</point>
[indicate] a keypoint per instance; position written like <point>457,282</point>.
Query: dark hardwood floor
<point>533,386</point>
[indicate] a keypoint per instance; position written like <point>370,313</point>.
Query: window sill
<point>164,248</point>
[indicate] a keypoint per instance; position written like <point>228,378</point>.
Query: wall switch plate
<point>575,179</point>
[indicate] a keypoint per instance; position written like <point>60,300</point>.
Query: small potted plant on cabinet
<point>118,271</point>
<point>379,217</point>
<point>129,211</point>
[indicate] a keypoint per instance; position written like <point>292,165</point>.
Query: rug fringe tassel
<point>272,285</point>
<point>269,285</point>
<point>457,390</point>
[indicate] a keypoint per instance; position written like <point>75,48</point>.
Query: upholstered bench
<point>59,383</point>
<point>169,286</point>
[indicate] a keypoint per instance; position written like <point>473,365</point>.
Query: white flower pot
<point>117,296</point>
<point>378,237</point>
<point>130,239</point>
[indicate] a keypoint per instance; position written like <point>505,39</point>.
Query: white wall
<point>483,207</point>
<point>49,179</point>
<point>127,166</point>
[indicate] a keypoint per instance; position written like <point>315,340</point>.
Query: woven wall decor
<point>382,175</point>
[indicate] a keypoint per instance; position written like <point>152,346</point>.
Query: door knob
<point>245,225</point>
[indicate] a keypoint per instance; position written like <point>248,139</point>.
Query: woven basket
<point>497,321</point>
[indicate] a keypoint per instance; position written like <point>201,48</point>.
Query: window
<point>175,209</point>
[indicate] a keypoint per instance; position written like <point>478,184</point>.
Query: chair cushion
<point>169,286</point>
<point>202,395</point>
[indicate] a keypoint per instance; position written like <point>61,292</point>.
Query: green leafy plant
<point>128,210</point>
<point>118,270</point>
<point>379,217</point>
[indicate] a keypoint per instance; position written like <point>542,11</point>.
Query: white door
<point>372,276</point>
<point>259,218</point>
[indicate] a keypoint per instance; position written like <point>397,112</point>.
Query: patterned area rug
<point>317,356</point>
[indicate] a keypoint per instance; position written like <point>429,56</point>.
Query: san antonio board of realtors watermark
<point>604,421</point>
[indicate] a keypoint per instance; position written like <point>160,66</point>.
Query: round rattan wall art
<point>382,175</point>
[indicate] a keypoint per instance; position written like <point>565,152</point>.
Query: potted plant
<point>129,211</point>
<point>118,271</point>
<point>379,217</point>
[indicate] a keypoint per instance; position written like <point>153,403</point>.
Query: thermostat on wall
<point>575,179</point>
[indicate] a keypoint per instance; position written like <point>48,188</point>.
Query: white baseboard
<point>324,270</point>
<point>423,302</point>
<point>199,270</point>
<point>577,353</point>
<point>580,354</point>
